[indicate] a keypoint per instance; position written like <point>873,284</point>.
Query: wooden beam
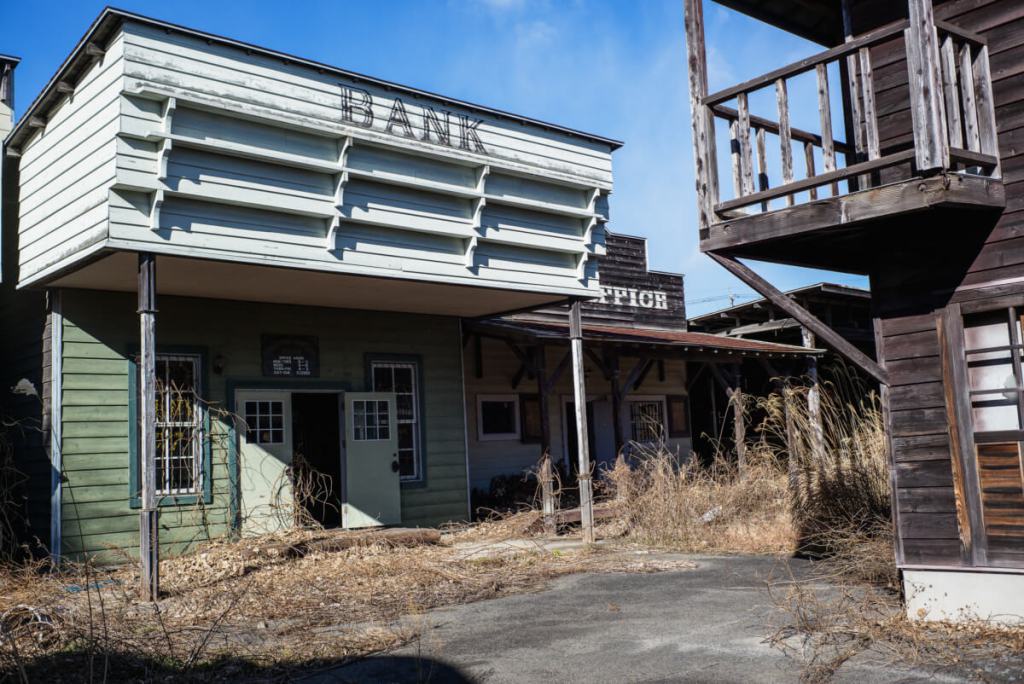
<point>556,374</point>
<point>612,362</point>
<point>806,318</point>
<point>824,179</point>
<point>705,157</point>
<point>582,442</point>
<point>769,126</point>
<point>879,35</point>
<point>966,482</point>
<point>149,530</point>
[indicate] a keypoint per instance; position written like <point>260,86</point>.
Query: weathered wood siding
<point>914,281</point>
<point>178,145</point>
<point>100,332</point>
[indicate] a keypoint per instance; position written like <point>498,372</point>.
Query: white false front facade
<point>197,150</point>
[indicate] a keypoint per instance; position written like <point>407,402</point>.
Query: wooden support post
<point>802,315</point>
<point>739,422</point>
<point>583,447</point>
<point>149,542</point>
<point>546,475</point>
<point>705,157</point>
<point>540,370</point>
<point>814,400</point>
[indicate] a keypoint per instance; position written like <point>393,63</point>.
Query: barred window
<point>647,420</point>
<point>179,425</point>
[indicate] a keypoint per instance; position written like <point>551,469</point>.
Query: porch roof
<point>648,338</point>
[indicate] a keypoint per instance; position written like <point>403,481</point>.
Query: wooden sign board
<point>291,356</point>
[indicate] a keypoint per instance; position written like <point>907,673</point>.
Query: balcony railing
<point>945,85</point>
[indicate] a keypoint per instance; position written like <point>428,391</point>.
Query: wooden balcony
<point>920,149</point>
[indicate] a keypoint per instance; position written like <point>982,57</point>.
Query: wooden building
<point>913,176</point>
<point>221,256</point>
<point>641,362</point>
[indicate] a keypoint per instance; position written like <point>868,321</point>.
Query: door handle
<point>394,466</point>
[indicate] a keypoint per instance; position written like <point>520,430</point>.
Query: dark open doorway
<point>316,430</point>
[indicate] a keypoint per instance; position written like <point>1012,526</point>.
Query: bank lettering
<point>416,122</point>
<point>632,297</point>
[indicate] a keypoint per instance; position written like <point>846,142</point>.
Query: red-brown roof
<point>683,339</point>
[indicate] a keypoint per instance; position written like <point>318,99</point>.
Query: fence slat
<point>743,131</point>
<point>762,165</point>
<point>734,154</point>
<point>828,150</point>
<point>949,89</point>
<point>809,161</point>
<point>986,106</point>
<point>785,136</point>
<point>867,82</point>
<point>969,100</point>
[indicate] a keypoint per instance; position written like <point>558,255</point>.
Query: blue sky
<point>611,67</point>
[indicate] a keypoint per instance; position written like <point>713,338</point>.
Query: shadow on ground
<point>106,667</point>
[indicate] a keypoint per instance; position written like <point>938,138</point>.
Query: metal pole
<point>580,394</point>
<point>149,542</point>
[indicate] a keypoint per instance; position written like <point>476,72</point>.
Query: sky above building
<point>615,68</point>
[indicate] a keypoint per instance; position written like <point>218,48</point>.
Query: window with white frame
<point>402,378</point>
<point>647,420</point>
<point>264,421</point>
<point>370,420</point>
<point>993,349</point>
<point>179,425</point>
<point>497,417</point>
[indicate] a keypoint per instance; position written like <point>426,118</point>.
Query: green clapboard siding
<point>101,331</point>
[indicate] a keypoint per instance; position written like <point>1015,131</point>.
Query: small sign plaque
<point>291,356</point>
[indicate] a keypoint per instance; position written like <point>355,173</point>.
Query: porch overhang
<point>212,279</point>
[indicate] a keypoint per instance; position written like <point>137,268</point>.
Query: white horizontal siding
<point>178,61</point>
<point>177,146</point>
<point>66,169</point>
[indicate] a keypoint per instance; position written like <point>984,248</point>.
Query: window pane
<point>406,463</point>
<point>403,379</point>
<point>404,406</point>
<point>382,381</point>
<point>497,417</point>
<point>406,436</point>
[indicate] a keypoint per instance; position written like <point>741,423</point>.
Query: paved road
<point>703,625</point>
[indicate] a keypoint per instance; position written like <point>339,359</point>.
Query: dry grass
<point>698,509</point>
<point>234,609</point>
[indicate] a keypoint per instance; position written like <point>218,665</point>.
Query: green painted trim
<point>134,484</point>
<point>421,481</point>
<point>231,385</point>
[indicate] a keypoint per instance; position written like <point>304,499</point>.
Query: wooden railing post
<point>705,157</point>
<point>931,139</point>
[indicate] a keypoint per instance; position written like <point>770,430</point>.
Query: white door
<point>372,492</point>
<point>265,452</point>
